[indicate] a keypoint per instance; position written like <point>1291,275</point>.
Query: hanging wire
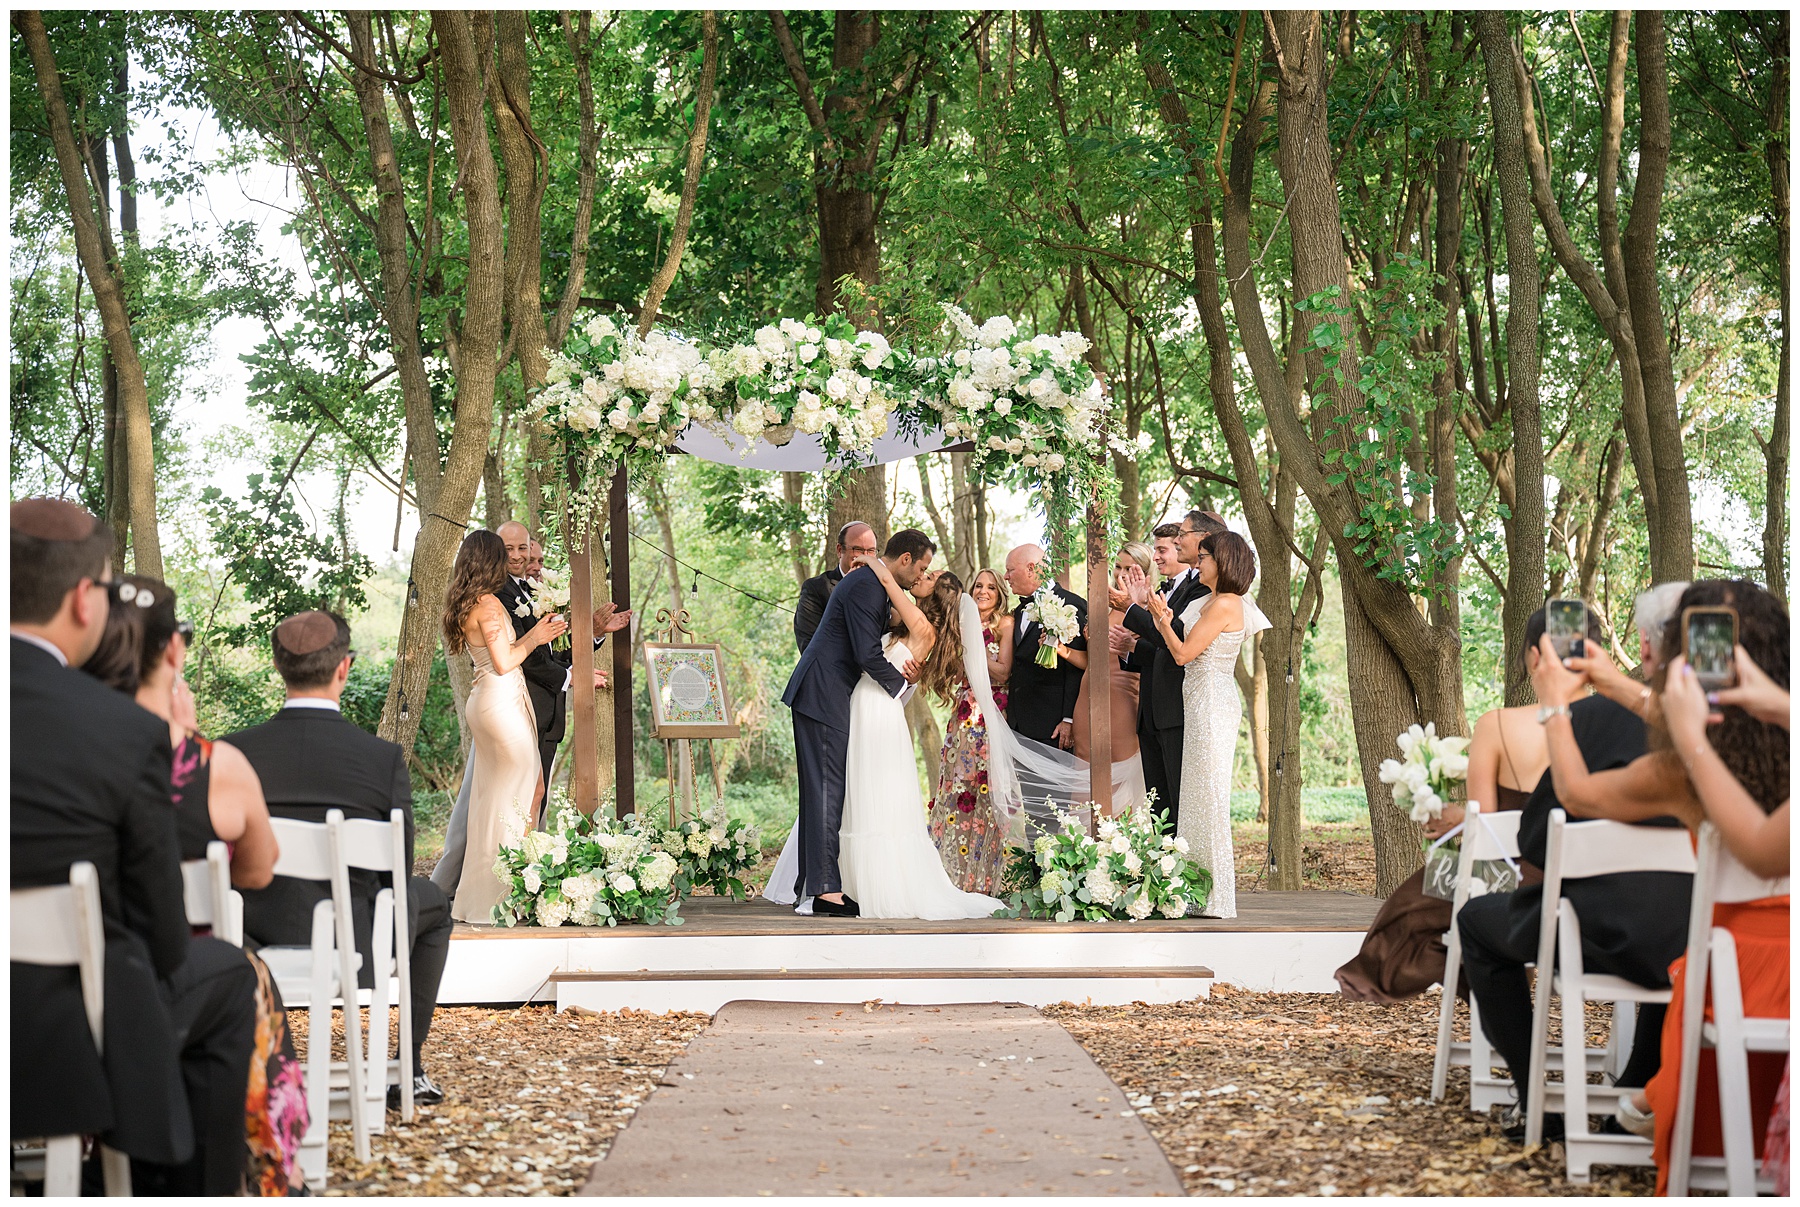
<point>784,605</point>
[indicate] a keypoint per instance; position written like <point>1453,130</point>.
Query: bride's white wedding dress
<point>888,863</point>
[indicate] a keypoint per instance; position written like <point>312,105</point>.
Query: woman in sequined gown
<point>969,837</point>
<point>1216,626</point>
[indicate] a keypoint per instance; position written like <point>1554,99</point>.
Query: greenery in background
<point>997,192</point>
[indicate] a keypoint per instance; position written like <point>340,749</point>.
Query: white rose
<point>1133,864</point>
<point>623,883</point>
<point>807,353</point>
<point>837,388</point>
<point>1003,405</point>
<point>1120,844</point>
<point>1181,846</point>
<point>1054,462</point>
<point>1015,446</point>
<point>1167,864</point>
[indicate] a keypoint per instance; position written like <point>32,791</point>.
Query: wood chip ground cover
<point>1310,1094</point>
<point>1247,1093</point>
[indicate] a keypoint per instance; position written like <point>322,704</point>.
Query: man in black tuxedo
<point>1142,649</point>
<point>847,644</point>
<point>90,781</point>
<point>855,539</point>
<point>1040,700</point>
<point>311,759</point>
<point>547,679</point>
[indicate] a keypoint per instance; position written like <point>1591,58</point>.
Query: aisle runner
<point>794,1099</point>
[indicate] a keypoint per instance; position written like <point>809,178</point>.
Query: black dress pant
<point>212,1003</point>
<point>1160,751</point>
<point>820,752</point>
<point>428,924</point>
<point>1500,936</point>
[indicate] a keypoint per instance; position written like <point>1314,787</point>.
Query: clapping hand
<point>1118,598</point>
<point>548,629</point>
<point>1159,608</point>
<point>609,617</point>
<point>1137,586</point>
<point>599,680</point>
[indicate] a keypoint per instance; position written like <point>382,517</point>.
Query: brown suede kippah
<point>306,633</point>
<point>52,520</point>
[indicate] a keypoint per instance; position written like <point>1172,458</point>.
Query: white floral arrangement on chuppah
<point>1027,398</point>
<point>1058,618</point>
<point>587,871</point>
<point>617,398</point>
<point>821,377</point>
<point>1131,869</point>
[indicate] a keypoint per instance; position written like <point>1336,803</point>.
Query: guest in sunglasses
<point>216,792</point>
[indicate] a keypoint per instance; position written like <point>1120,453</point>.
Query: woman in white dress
<point>1216,625</point>
<point>502,723</point>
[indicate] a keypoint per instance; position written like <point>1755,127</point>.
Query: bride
<point>889,864</point>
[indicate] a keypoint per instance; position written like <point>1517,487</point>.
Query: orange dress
<point>1761,931</point>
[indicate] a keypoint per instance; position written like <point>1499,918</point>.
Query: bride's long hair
<point>943,666</point>
<point>480,569</point>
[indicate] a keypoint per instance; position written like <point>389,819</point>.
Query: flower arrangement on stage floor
<point>1057,617</point>
<point>1131,869</point>
<point>587,871</point>
<point>714,851</point>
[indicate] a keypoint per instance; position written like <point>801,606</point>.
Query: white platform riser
<point>709,996</point>
<point>517,969</point>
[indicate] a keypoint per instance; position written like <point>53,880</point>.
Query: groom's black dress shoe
<point>834,909</point>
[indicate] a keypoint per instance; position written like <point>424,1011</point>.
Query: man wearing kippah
<point>312,760</point>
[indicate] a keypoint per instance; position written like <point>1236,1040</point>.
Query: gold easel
<point>673,628</point>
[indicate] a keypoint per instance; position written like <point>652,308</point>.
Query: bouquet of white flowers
<point>714,851</point>
<point>824,378</point>
<point>587,871</point>
<point>622,399</point>
<point>1061,624</point>
<point>1427,771</point>
<point>1133,868</point>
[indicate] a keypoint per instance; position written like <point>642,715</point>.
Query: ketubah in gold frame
<point>688,694</point>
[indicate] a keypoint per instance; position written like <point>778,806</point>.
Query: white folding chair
<point>1712,952</point>
<point>320,976</point>
<point>59,926</point>
<point>207,893</point>
<point>1486,836</point>
<point>380,846</point>
<point>1575,851</point>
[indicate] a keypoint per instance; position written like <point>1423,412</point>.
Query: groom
<point>846,643</point>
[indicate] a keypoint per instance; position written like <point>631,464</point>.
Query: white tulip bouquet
<point>1061,624</point>
<point>1427,772</point>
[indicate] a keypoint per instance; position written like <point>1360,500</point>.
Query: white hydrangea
<point>552,911</point>
<point>996,331</point>
<point>1100,886</point>
<point>656,874</point>
<point>1175,907</point>
<point>1140,907</point>
<point>700,843</point>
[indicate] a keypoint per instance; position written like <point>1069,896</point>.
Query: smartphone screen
<point>1709,641</point>
<point>1566,621</point>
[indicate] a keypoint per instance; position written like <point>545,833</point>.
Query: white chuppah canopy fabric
<point>802,454</point>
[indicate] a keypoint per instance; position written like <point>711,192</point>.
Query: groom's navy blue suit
<point>846,643</point>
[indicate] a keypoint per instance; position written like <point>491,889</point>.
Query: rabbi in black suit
<point>855,539</point>
<point>312,759</point>
<point>1041,700</point>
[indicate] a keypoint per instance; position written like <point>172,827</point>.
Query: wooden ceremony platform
<point>725,950</point>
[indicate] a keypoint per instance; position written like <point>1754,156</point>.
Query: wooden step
<point>886,974</point>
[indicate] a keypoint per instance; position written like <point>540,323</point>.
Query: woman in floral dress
<point>969,837</point>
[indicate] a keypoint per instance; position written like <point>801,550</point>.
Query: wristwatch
<point>1545,712</point>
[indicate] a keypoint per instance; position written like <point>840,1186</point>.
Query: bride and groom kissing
<point>861,846</point>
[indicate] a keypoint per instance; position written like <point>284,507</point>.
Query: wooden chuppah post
<point>618,534</point>
<point>584,776</point>
<point>1100,669</point>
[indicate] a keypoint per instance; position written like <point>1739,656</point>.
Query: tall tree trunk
<point>99,261</point>
<point>446,492</point>
<point>1644,287</point>
<point>1775,450</point>
<point>793,492</point>
<point>494,507</point>
<point>1525,534</point>
<point>1402,667</point>
<point>969,556</point>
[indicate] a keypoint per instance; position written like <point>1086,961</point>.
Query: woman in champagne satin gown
<point>502,724</point>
